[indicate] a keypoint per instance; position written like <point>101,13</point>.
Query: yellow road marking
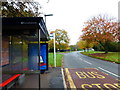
<point>72,85</point>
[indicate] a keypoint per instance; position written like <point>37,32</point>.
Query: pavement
<point>51,79</point>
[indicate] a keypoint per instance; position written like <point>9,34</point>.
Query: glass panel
<point>5,51</point>
<point>25,55</point>
<point>16,53</point>
<point>5,58</point>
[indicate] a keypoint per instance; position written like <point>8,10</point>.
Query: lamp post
<point>54,52</point>
<point>54,40</point>
<point>47,15</point>
<point>54,56</point>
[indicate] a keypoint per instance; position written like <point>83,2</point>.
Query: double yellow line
<point>72,85</point>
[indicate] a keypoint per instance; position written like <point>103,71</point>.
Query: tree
<point>112,47</point>
<point>50,45</point>
<point>74,47</point>
<point>62,40</point>
<point>100,30</point>
<point>83,44</point>
<point>14,8</point>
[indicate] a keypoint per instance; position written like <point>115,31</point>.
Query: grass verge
<point>58,60</point>
<point>110,56</point>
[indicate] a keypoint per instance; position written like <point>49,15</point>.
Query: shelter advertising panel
<point>33,56</point>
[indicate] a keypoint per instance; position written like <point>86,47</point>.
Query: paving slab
<point>29,81</point>
<point>52,78</point>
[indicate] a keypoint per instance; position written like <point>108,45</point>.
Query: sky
<point>70,15</point>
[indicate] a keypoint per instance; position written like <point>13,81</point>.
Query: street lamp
<point>53,35</point>
<point>47,15</point>
<point>54,40</point>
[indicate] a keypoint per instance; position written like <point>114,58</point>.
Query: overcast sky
<point>70,15</point>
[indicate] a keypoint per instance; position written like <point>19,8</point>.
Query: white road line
<point>88,62</point>
<point>108,72</point>
<point>81,59</point>
<point>85,61</point>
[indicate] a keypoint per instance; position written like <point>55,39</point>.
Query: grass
<point>110,56</point>
<point>58,60</point>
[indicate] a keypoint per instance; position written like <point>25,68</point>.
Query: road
<point>77,60</point>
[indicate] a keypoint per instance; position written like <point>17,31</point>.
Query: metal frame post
<point>54,52</point>
<point>39,56</point>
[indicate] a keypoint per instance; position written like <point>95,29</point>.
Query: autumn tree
<point>16,8</point>
<point>50,44</point>
<point>74,47</point>
<point>62,40</point>
<point>83,44</point>
<point>101,30</point>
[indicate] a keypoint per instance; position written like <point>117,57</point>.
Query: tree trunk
<point>106,51</point>
<point>105,45</point>
<point>87,49</point>
<point>84,50</point>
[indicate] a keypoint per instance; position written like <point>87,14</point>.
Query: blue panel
<point>33,56</point>
<point>43,53</point>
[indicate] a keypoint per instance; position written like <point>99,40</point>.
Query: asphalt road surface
<point>77,60</point>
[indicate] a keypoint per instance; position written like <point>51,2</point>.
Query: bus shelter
<point>22,51</point>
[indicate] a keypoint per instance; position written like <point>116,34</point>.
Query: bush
<point>112,47</point>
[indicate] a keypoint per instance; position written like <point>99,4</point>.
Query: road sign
<point>51,35</point>
<point>89,78</point>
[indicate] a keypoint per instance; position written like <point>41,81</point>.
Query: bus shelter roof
<point>28,27</point>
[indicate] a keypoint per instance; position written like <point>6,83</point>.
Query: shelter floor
<point>50,79</point>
